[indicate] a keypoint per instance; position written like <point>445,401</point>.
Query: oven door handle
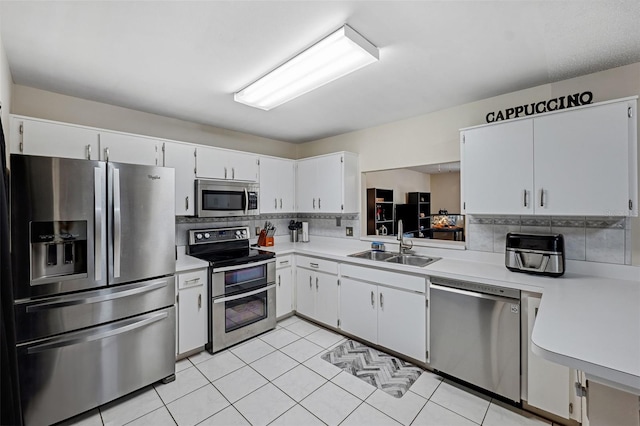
<point>240,296</point>
<point>244,265</point>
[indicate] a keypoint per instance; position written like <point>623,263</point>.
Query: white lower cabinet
<point>284,286</point>
<point>192,310</point>
<point>393,317</point>
<point>549,385</point>
<point>317,291</point>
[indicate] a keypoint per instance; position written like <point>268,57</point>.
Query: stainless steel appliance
<point>241,285</point>
<point>475,334</point>
<point>540,254</point>
<point>93,252</point>
<point>216,198</point>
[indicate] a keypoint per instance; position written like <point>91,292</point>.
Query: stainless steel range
<point>241,285</point>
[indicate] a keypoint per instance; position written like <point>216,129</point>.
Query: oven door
<point>221,199</point>
<point>247,308</point>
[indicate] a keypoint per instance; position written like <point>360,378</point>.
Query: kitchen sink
<point>373,255</point>
<point>404,259</point>
<point>412,259</point>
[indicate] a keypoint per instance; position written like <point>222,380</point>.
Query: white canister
<point>305,232</point>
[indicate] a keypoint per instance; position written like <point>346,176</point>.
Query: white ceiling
<point>185,59</point>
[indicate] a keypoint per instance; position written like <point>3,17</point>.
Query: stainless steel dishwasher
<point>475,334</point>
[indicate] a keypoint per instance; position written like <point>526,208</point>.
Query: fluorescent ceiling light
<point>336,55</point>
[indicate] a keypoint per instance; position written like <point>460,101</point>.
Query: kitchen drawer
<point>284,261</point>
<point>317,264</point>
<point>192,278</point>
<point>388,278</point>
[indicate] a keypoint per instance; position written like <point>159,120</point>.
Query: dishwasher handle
<point>475,294</point>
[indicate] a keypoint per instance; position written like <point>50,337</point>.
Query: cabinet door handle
<point>225,172</point>
<point>524,194</point>
<point>372,298</point>
<point>319,205</point>
<point>278,280</point>
<point>316,283</point>
<point>541,197</point>
<point>233,173</point>
<point>186,203</point>
<point>381,301</point>
<point>314,203</point>
<point>280,202</point>
<point>200,301</point>
<point>310,284</point>
<point>88,152</point>
<point>275,205</point>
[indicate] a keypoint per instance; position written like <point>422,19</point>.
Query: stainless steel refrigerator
<point>93,256</point>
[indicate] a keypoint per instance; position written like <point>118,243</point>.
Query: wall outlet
<point>257,230</point>
<point>349,231</point>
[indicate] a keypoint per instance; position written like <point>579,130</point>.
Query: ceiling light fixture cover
<point>338,54</point>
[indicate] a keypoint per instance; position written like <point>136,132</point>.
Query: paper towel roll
<point>305,232</point>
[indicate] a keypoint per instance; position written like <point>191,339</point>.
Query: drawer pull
<point>313,265</point>
<point>195,280</point>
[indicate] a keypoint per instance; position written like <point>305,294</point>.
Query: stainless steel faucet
<point>403,247</point>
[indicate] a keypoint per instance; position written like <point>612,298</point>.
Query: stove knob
<point>207,235</point>
<point>238,232</point>
<point>244,232</point>
<point>198,236</point>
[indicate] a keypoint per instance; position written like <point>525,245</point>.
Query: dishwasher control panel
<point>478,287</point>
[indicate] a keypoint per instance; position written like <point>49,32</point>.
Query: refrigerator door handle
<point>88,336</point>
<point>83,299</point>
<point>98,176</point>
<point>117,223</point>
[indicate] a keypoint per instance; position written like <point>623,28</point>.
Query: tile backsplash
<point>319,224</point>
<point>593,239</point>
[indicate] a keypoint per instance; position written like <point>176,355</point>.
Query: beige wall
<point>434,138</point>
<point>6,85</point>
<point>53,106</point>
<point>401,181</point>
<point>445,192</point>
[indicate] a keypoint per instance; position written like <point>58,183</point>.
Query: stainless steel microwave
<point>222,198</point>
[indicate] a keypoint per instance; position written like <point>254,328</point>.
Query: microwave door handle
<point>246,201</point>
<point>117,223</point>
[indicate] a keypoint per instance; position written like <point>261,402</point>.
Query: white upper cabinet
<point>579,162</point>
<point>182,158</point>
<point>213,163</point>
<point>328,184</point>
<point>36,137</point>
<point>124,148</point>
<point>277,178</point>
<point>497,170</point>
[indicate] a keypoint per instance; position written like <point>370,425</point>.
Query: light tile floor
<point>279,379</point>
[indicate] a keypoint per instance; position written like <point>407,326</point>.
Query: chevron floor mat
<point>384,371</point>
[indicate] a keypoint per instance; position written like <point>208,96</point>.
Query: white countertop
<point>593,325</point>
<point>587,322</point>
<point>187,263</point>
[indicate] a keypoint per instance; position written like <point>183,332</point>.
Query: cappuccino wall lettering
<point>555,104</point>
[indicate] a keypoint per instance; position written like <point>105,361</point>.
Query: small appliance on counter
<point>541,254</point>
<point>305,232</point>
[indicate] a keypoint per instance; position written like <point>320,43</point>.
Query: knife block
<point>263,240</point>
